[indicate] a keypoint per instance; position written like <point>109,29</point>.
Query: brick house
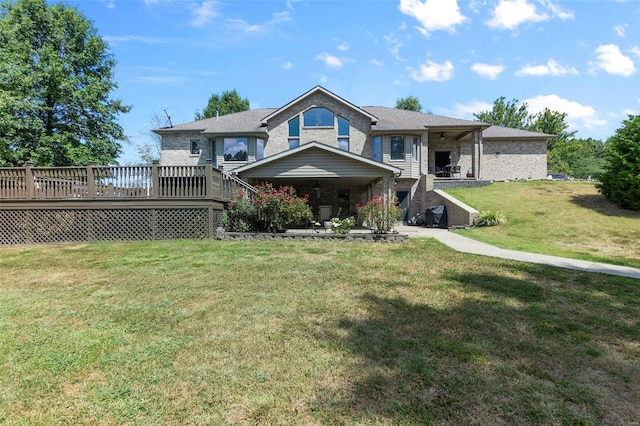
<point>341,154</point>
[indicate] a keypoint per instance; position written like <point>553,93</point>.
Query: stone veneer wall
<point>360,126</point>
<point>176,149</point>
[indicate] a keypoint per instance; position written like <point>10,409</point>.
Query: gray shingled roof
<point>400,119</point>
<point>389,119</point>
<point>239,122</point>
<point>508,132</point>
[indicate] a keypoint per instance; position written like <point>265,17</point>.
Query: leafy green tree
<point>506,114</point>
<point>56,74</point>
<point>562,151</point>
<point>410,103</point>
<point>620,181</point>
<point>227,103</point>
<point>590,158</point>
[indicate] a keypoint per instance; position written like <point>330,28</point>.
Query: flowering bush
<point>240,215</point>
<point>342,226</point>
<point>380,214</point>
<point>280,208</point>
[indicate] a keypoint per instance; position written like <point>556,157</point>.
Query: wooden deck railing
<point>111,182</point>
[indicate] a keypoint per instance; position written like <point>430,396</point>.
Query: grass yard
<point>312,333</point>
<point>569,219</point>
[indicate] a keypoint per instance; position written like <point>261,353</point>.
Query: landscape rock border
<point>265,236</point>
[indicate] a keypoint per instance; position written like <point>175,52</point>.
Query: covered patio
<point>334,181</point>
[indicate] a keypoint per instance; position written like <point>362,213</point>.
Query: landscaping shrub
<point>342,226</point>
<point>490,218</point>
<point>281,208</point>
<point>240,215</point>
<point>380,214</point>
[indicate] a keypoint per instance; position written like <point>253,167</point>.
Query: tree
<point>563,150</point>
<point>410,103</point>
<point>506,114</point>
<point>227,103</point>
<point>56,74</point>
<point>620,181</point>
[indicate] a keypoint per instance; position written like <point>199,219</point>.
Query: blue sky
<point>580,57</point>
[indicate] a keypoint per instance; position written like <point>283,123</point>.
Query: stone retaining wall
<point>262,236</point>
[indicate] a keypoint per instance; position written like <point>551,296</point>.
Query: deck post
<point>208,179</point>
<point>155,179</point>
<point>91,180</point>
<point>29,180</point>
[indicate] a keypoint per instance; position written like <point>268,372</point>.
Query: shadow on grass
<point>510,350</point>
<point>600,204</point>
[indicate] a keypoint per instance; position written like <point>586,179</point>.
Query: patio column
<point>476,154</point>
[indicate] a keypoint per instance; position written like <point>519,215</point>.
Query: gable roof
<point>322,147</point>
<point>320,89</point>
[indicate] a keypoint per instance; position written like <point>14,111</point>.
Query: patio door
<point>443,159</point>
<point>403,203</point>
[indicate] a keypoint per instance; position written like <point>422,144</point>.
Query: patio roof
<point>315,160</point>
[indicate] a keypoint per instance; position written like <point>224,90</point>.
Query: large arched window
<point>318,117</point>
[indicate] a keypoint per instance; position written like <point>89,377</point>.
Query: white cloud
<point>432,71</point>
<point>330,60</point>
<point>509,14</point>
<point>488,71</point>
<point>204,13</point>
<point>377,62</point>
<point>466,111</point>
<point>434,15</point>
<point>257,29</point>
<point>636,51</point>
<point>557,11</point>
<point>344,46</point>
<point>290,6</point>
<point>552,67</point>
<point>621,29</point>
<point>394,46</point>
<point>287,65</point>
<point>613,61</point>
<point>578,116</point>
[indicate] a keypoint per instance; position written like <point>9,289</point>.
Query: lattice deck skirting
<point>56,225</point>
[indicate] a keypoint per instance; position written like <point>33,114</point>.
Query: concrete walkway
<point>467,245</point>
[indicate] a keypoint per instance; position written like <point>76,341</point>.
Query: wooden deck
<point>105,203</point>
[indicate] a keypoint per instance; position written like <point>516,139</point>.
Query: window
<point>397,147</point>
<point>294,132</point>
<point>343,133</point>
<point>318,117</point>
<point>377,148</point>
<point>415,150</point>
<point>294,127</point>
<point>235,149</point>
<point>259,149</point>
<point>194,146</point>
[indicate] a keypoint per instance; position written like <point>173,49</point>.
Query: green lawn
<point>211,332</point>
<point>569,219</point>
